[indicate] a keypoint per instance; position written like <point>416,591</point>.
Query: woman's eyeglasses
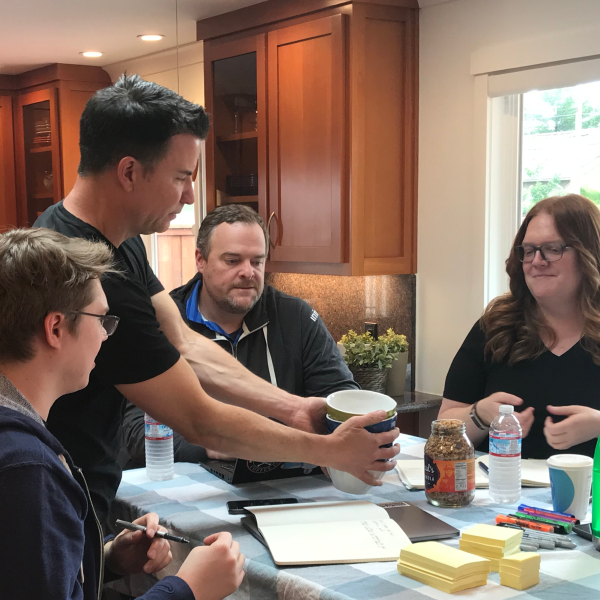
<point>109,322</point>
<point>550,252</point>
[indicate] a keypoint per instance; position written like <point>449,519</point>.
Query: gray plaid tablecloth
<point>193,504</point>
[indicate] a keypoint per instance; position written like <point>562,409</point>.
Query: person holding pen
<point>53,321</point>
<point>538,346</point>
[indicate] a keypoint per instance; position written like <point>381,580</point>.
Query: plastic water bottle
<point>159,450</point>
<point>505,456</point>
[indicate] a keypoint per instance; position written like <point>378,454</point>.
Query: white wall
<point>161,68</point>
<point>457,38</point>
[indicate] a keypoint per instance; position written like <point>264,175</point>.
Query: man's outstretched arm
<point>176,398</point>
<point>226,379</point>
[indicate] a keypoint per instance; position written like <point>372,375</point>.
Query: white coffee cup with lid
<point>571,482</point>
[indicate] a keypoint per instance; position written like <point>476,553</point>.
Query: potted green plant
<point>398,346</point>
<point>369,360</point>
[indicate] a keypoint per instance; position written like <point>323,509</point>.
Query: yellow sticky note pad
<point>522,560</point>
<point>519,583</point>
<point>486,550</point>
<point>491,535</point>
<point>442,583</point>
<point>443,560</point>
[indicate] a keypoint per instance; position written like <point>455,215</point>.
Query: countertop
<point>416,401</point>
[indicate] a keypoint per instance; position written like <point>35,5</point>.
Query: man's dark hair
<point>230,213</point>
<point>134,118</point>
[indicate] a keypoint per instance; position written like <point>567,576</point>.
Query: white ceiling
<point>34,33</point>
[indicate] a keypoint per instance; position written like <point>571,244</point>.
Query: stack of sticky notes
<point>442,567</point>
<point>491,542</point>
<point>520,571</point>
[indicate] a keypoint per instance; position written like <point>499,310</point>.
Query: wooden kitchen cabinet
<point>47,104</point>
<point>307,166</point>
<point>8,200</point>
<point>37,154</point>
<point>334,153</point>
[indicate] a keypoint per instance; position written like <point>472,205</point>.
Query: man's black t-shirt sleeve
<point>153,285</point>
<point>466,378</point>
<point>138,350</point>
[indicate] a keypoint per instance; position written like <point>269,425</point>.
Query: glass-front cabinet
<point>236,146</point>
<point>38,155</point>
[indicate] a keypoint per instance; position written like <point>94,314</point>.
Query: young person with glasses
<point>52,324</point>
<point>538,346</point>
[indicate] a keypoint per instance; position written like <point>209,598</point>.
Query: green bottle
<point>596,493</point>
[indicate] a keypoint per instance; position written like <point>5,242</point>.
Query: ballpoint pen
<point>162,534</point>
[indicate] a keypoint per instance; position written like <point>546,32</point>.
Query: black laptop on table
<point>248,471</point>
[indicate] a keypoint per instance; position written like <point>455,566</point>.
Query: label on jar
<point>505,445</point>
<point>449,475</point>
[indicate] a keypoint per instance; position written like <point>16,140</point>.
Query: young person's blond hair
<point>42,271</point>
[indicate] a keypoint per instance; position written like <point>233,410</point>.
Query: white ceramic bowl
<point>351,485</point>
<point>350,403</point>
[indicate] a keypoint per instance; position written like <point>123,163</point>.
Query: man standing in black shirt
<point>139,149</point>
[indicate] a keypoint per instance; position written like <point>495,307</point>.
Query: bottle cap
<point>506,409</point>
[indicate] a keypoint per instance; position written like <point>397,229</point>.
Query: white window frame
<point>199,209</point>
<point>499,104</point>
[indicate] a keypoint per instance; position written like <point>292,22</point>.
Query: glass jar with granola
<point>449,465</point>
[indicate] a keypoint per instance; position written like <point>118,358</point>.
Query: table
<point>193,504</point>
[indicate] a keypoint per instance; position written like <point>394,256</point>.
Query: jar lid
<point>447,424</point>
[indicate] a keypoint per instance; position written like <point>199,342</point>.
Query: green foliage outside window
<point>563,119</point>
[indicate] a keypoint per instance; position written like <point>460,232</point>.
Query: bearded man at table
<point>277,337</point>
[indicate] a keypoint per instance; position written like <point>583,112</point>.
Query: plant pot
<point>371,378</point>
<point>396,381</point>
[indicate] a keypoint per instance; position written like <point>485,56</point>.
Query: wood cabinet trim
<point>275,11</point>
<point>8,210</point>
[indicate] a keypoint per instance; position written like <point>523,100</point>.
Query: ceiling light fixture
<point>91,54</point>
<point>151,37</point>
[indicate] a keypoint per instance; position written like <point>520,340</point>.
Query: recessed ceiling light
<point>151,37</point>
<point>91,54</point>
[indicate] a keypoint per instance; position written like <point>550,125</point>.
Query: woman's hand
<point>135,551</point>
<point>581,425</point>
<point>489,408</point>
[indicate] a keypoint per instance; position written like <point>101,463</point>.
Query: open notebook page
<point>317,512</point>
<point>337,542</point>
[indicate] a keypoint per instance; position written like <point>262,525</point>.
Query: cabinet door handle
<point>269,229</point>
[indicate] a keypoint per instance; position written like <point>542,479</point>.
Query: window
<point>172,254</point>
<point>542,143</point>
<point>560,144</point>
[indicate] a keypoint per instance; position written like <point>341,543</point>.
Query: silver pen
<point>161,534</point>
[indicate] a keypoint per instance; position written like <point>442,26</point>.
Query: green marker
<point>596,493</point>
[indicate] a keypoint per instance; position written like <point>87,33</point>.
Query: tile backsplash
<point>347,302</point>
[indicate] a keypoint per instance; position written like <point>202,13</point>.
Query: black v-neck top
<point>569,379</point>
<point>88,422</point>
